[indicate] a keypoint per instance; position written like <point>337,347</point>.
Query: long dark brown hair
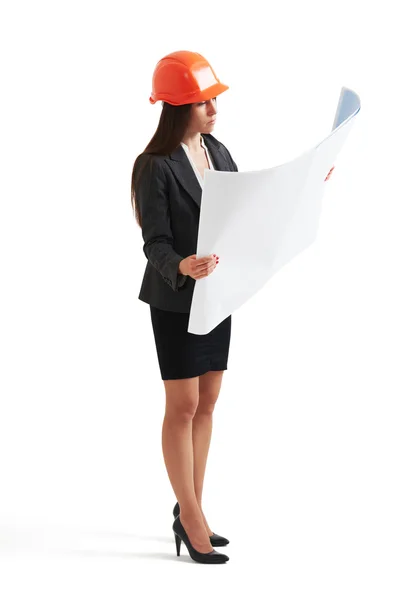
<point>169,134</point>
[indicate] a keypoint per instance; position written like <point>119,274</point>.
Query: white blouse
<point>212,168</point>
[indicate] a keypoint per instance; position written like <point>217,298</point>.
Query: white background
<point>303,469</point>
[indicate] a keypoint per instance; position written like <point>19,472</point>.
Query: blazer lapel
<point>183,170</point>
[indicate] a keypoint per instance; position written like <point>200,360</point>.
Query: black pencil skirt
<point>182,354</point>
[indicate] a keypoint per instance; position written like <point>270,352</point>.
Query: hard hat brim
<point>198,96</point>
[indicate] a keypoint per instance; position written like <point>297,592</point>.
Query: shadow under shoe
<point>212,557</point>
<point>215,539</point>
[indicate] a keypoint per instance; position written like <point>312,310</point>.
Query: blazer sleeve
<point>151,193</point>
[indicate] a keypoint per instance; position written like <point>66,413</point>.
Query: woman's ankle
<point>192,515</point>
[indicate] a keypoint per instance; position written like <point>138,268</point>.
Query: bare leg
<point>181,402</point>
<point>209,387</point>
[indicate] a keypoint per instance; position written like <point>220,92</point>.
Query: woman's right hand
<point>197,268</point>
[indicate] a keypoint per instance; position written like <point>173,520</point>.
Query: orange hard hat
<point>185,77</point>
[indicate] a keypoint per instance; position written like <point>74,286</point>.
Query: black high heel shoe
<point>215,539</point>
<point>212,557</point>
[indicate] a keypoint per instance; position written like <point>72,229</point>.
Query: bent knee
<point>183,409</point>
<point>182,399</point>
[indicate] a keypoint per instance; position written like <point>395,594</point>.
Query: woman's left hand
<point>329,174</point>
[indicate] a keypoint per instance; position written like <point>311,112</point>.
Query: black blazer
<point>169,198</point>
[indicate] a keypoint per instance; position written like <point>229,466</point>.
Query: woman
<point>167,182</point>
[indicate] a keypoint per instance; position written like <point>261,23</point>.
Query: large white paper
<point>257,221</point>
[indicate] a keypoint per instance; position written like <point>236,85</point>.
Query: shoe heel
<point>178,544</point>
<point>202,557</point>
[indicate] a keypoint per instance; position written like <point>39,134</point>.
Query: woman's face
<point>203,116</point>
